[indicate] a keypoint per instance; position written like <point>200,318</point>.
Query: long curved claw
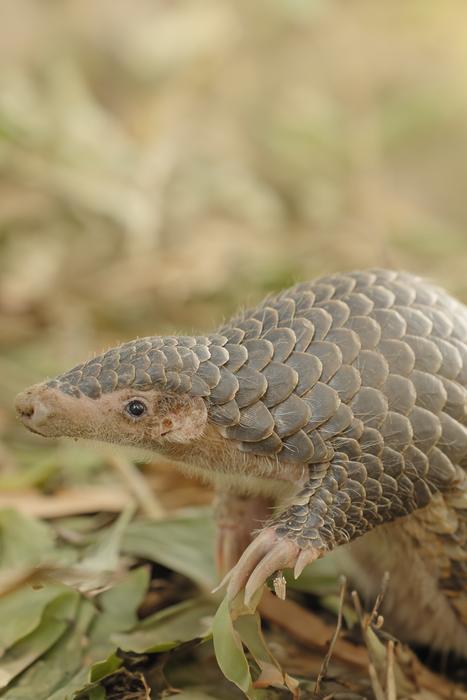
<point>248,561</point>
<point>263,557</point>
<point>282,555</point>
<point>305,557</point>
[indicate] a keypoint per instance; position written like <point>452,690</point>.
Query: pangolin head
<point>133,394</point>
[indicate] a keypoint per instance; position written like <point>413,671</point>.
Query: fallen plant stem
<point>324,666</point>
<point>391,692</point>
<point>410,669</point>
<point>137,486</point>
<point>73,501</point>
<point>375,684</point>
<point>374,617</point>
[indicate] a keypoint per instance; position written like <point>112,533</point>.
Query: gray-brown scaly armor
<point>361,376</point>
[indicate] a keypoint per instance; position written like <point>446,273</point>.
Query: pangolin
<point>331,415</point>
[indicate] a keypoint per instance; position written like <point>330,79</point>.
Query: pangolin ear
<point>185,420</point>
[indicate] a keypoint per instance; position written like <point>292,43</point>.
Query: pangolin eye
<point>136,408</point>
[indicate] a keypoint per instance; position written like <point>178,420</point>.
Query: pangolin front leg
<point>297,535</point>
<point>343,500</point>
<point>238,518</point>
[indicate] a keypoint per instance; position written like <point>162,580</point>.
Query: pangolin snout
<point>32,410</point>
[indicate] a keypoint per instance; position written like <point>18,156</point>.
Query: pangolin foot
<point>267,554</point>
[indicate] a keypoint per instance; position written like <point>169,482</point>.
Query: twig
<point>374,617</point>
<point>391,693</point>
<point>76,501</point>
<point>137,485</point>
<point>375,684</point>
<point>357,605</point>
<point>426,679</point>
<point>324,666</point>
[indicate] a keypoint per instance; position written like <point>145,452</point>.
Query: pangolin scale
<point>348,394</point>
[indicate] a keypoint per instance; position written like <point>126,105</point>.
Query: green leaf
<point>101,559</point>
<point>162,631</point>
<point>249,629</point>
<point>104,554</point>
<point>169,627</point>
<point>101,669</point>
<point>229,652</point>
<point>55,620</point>
<point>67,688</point>
<point>21,612</point>
<point>195,693</point>
<point>184,545</point>
<point>58,673</point>
<point>25,653</point>
<point>122,683</point>
<point>35,475</point>
<point>23,540</point>
<point>95,693</point>
<point>119,607</point>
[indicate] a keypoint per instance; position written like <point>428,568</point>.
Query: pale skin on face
<point>52,413</point>
<point>171,424</point>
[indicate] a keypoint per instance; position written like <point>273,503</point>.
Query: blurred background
<point>163,162</point>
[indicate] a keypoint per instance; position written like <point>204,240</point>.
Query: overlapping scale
<point>359,377</point>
